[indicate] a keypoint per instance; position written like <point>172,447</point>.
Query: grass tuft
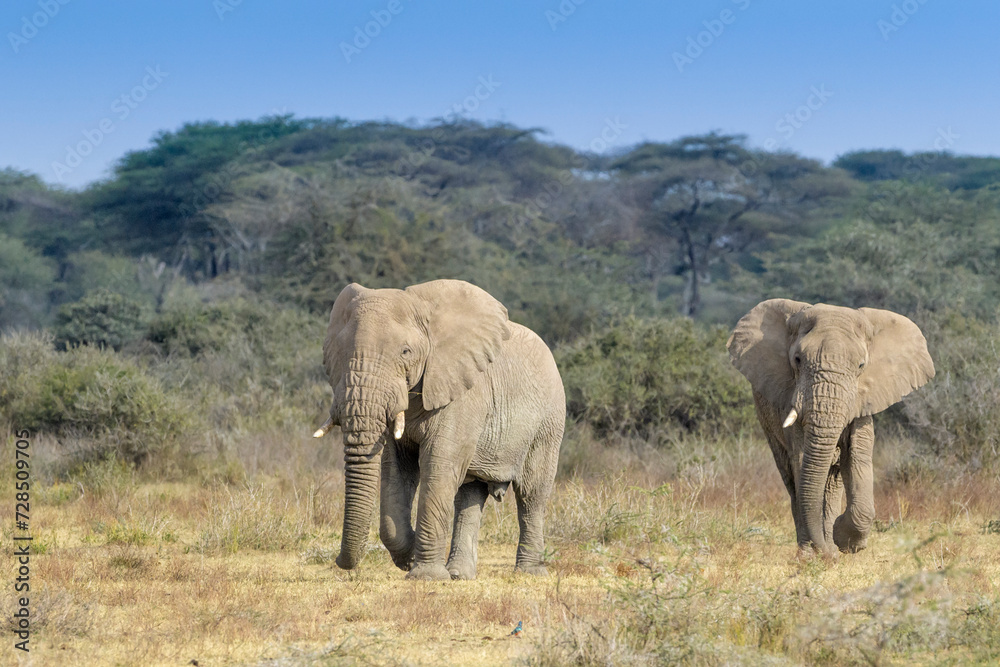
<point>254,517</point>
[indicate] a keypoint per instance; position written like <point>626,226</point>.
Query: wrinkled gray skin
<point>835,367</point>
<point>484,409</point>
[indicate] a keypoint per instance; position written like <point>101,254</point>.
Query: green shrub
<point>108,403</point>
<point>254,518</point>
<point>193,328</point>
<point>242,346</point>
<point>87,271</point>
<point>252,366</point>
<point>20,354</point>
<point>101,318</point>
<point>26,279</point>
<point>642,374</point>
<point>957,414</point>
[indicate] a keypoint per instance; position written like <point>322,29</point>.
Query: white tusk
<point>790,419</point>
<point>397,429</point>
<point>324,429</point>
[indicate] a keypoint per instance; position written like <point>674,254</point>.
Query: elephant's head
<point>824,366</point>
<point>382,344</point>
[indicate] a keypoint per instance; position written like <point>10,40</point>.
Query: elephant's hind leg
<point>465,538</point>
<point>532,492</point>
<point>530,545</point>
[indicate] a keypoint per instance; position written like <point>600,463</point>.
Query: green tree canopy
<point>710,199</point>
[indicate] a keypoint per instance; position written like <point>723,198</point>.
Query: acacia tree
<point>156,201</point>
<point>709,200</point>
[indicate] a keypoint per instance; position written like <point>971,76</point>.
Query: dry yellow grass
<point>700,569</point>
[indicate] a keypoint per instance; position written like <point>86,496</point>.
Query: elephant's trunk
<point>361,478</point>
<point>371,397</point>
<point>824,421</point>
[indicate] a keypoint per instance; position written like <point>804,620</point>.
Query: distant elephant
<point>818,374</point>
<point>434,384</point>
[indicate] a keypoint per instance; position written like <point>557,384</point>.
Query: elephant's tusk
<point>397,429</point>
<point>790,419</point>
<point>324,429</point>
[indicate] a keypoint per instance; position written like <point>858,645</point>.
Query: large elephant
<point>433,384</point>
<point>818,374</point>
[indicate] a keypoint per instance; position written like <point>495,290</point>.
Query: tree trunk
<point>692,296</point>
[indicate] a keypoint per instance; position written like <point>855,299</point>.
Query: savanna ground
<point>678,554</point>
<point>172,315</point>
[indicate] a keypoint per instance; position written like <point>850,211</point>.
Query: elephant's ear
<point>465,326</point>
<point>759,348</point>
<point>338,348</point>
<point>898,361</point>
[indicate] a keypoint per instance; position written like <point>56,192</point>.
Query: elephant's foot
<point>536,570</point>
<point>807,552</point>
<point>429,572</point>
<point>462,569</point>
<point>402,560</point>
<point>847,537</point>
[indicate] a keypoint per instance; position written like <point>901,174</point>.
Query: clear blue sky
<point>931,68</point>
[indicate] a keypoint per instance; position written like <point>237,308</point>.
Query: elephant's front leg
<point>399,483</point>
<point>465,538</point>
<point>787,464</point>
<point>441,473</point>
<point>850,530</point>
<point>784,464</point>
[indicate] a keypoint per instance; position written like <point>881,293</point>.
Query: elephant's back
<point>526,355</point>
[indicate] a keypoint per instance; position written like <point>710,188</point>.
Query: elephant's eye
<point>406,351</point>
<point>798,360</point>
<point>861,365</point>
